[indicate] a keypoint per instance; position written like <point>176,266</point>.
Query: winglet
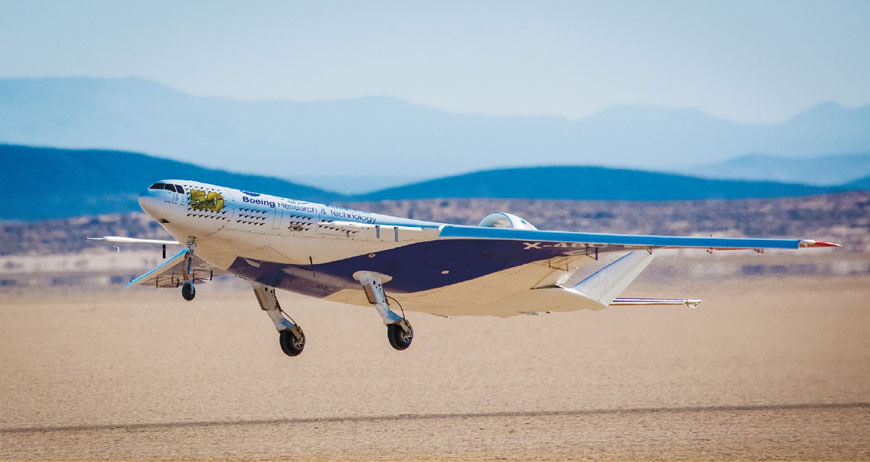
<point>812,243</point>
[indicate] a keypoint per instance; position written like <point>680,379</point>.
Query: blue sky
<point>751,61</point>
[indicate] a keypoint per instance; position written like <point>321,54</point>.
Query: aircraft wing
<point>509,258</point>
<point>169,274</point>
<point>539,240</point>
<point>508,271</point>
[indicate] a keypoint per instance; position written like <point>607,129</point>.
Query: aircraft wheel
<point>398,338</point>
<point>187,291</point>
<point>290,345</point>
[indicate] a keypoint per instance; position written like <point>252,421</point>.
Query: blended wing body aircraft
<point>502,267</point>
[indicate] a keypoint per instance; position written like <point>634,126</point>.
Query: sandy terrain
<point>765,369</point>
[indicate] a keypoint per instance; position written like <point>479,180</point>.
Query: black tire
<point>398,339</point>
<point>188,291</point>
<point>289,345</point>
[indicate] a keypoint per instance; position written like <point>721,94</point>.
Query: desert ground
<point>765,368</point>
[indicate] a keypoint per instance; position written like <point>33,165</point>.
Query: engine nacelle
<point>505,220</point>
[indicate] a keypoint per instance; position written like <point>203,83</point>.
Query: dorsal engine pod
<point>505,220</point>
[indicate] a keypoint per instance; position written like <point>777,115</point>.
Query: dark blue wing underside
<point>413,267</point>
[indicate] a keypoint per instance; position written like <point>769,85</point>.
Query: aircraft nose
<point>149,201</point>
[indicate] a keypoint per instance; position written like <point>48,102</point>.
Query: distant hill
<point>377,136</point>
<point>591,183</point>
<point>43,183</point>
<point>822,170</point>
<point>862,184</point>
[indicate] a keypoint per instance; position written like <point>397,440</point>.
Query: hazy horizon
<point>786,117</point>
<point>749,62</point>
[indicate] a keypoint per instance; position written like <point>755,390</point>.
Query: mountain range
<point>366,142</point>
<point>45,183</point>
<point>592,183</point>
<point>825,170</point>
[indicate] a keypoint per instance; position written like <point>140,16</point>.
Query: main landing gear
<point>290,335</point>
<point>399,330</point>
<point>292,339</point>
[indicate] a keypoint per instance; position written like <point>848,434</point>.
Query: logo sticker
<point>199,200</point>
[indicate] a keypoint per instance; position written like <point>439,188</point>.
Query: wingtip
<point>813,243</point>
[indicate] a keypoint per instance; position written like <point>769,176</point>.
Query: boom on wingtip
<point>691,303</point>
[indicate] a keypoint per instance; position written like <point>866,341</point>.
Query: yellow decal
<point>200,201</point>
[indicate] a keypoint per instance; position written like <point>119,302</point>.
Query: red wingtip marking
<point>826,244</point>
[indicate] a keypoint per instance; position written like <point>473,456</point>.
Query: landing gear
<point>188,291</point>
<point>292,339</point>
<point>290,335</point>
<point>399,330</point>
<point>399,338</point>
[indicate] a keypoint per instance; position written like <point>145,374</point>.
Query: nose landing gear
<point>188,292</point>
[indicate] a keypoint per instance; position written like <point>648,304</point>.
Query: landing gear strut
<point>399,330</point>
<point>290,335</point>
